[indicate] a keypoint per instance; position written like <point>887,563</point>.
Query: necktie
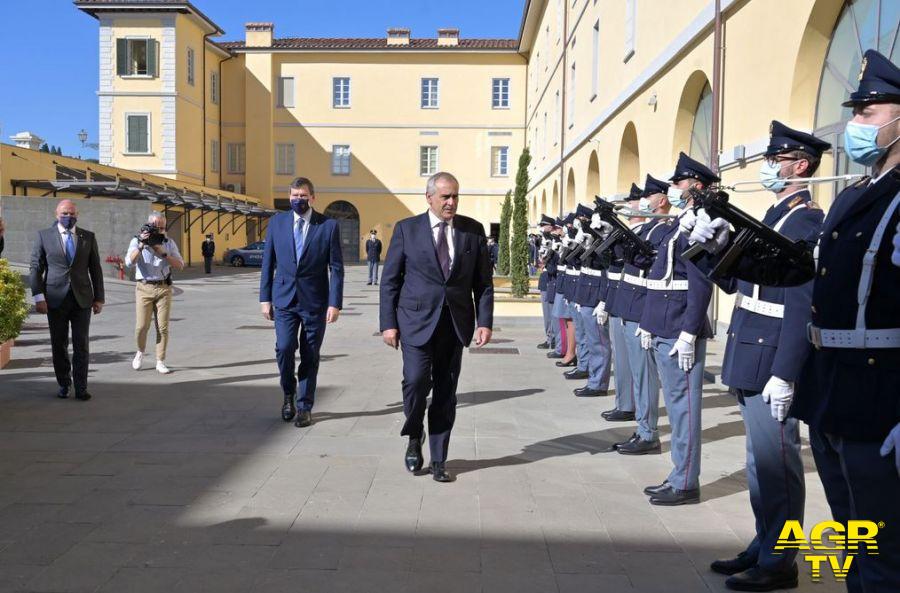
<point>298,239</point>
<point>70,248</point>
<point>443,250</point>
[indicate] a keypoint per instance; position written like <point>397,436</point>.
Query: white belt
<point>572,272</point>
<point>634,280</point>
<point>560,269</point>
<point>590,272</point>
<point>614,275</point>
<point>853,338</point>
<point>759,306</point>
<point>667,284</point>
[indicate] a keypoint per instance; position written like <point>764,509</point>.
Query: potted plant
<point>13,309</point>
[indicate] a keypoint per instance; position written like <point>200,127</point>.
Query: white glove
<point>684,348</point>
<point>600,313</point>
<point>577,307</point>
<point>892,442</point>
<point>778,393</point>
<point>566,240</point>
<point>646,338</point>
<point>712,234</point>
<point>686,222</point>
<point>602,227</point>
<point>895,257</point>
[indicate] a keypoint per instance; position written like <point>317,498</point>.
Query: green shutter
<point>122,57</point>
<point>152,46</point>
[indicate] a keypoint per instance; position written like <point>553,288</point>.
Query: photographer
<point>154,255</point>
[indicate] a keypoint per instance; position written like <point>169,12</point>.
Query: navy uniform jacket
<point>610,286</point>
<point>667,313</point>
<point>629,301</point>
<point>570,280</point>
<point>760,346</point>
<point>373,250</point>
<point>854,393</point>
<point>588,287</point>
<point>550,277</point>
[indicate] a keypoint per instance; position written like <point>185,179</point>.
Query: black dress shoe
<point>576,374</point>
<point>640,447</point>
<point>571,363</point>
<point>543,346</point>
<point>368,284</point>
<point>588,392</point>
<point>760,579</point>
<point>304,419</point>
<point>651,490</point>
<point>731,566</point>
<point>439,472</point>
<point>605,413</point>
<point>619,416</point>
<point>288,410</point>
<point>83,396</point>
<point>634,437</point>
<point>671,497</point>
<point>555,354</point>
<point>63,393</point>
<point>413,458</point>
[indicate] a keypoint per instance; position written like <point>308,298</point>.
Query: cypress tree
<point>519,250</point>
<point>503,239</point>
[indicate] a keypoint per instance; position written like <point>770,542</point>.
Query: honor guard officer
<point>675,318</point>
<point>629,305</point>
<point>547,284</point>
<point>597,351</point>
<point>849,389</point>
<point>561,308</point>
<point>764,354</point>
<point>573,273</point>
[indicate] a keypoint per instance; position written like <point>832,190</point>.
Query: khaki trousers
<point>146,298</point>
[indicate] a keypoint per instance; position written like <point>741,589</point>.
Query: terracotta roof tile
<point>339,43</point>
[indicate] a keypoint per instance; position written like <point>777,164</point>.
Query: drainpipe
<point>562,108</point>
<point>716,90</point>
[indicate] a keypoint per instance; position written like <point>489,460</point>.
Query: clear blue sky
<point>48,65</point>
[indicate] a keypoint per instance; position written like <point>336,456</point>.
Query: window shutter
<point>122,57</point>
<point>151,57</point>
<point>287,99</point>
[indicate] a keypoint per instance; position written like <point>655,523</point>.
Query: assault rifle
<point>632,248</point>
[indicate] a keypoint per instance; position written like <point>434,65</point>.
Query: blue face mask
<point>676,197</point>
<point>861,142</point>
<point>299,206</point>
<point>644,205</point>
<point>67,222</point>
<point>768,176</point>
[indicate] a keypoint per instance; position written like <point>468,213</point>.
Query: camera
<point>155,238</point>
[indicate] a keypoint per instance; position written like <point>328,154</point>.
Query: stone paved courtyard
<point>192,483</point>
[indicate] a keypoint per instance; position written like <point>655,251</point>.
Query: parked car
<point>251,255</point>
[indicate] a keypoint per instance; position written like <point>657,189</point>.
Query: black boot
<point>288,410</point>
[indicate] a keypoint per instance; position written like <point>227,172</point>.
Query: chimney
<point>259,34</point>
<point>398,36</point>
<point>448,37</point>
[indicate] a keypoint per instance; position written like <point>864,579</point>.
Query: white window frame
<point>214,156</point>
<point>630,28</point>
<point>570,110</point>
<point>239,147</point>
<point>595,61</point>
<point>286,163</point>
<point>191,58</point>
<point>141,38</point>
<point>149,151</point>
<point>557,118</point>
<point>496,169</point>
<point>494,85</point>
<point>214,88</point>
<point>337,167</point>
<point>335,104</point>
<point>281,96</point>
<point>434,94</point>
<point>428,171</point>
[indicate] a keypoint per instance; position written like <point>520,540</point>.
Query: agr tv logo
<point>838,544</point>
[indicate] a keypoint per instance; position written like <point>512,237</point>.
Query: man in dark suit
<point>436,284</point>
<point>67,285</point>
<point>298,293</point>
<point>373,256</point>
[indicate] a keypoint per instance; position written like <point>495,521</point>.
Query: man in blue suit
<point>437,283</point>
<point>297,292</point>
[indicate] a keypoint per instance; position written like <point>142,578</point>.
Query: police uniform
<point>547,288</point>
<point>849,389</point>
<point>597,351</point>
<point>677,298</point>
<point>564,276</point>
<point>573,275</point>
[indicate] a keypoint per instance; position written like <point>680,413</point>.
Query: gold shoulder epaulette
<point>813,206</point>
<point>795,202</point>
<point>864,181</point>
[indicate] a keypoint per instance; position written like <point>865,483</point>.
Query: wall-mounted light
<point>651,100</point>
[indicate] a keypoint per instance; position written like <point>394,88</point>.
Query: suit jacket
<point>413,289</point>
<point>52,276</point>
<point>305,285</point>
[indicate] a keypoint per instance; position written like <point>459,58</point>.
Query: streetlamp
<point>83,136</point>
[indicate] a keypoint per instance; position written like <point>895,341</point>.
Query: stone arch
<point>554,200</point>
<point>592,182</point>
<point>629,159</point>
<point>571,194</point>
<point>544,204</point>
<point>685,117</point>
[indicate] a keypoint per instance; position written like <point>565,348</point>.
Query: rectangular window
<point>190,66</point>
<point>136,56</point>
<point>214,156</point>
<point>214,88</point>
<point>570,116</point>
<point>285,91</point>
<point>429,93</point>
<point>500,93</point>
<point>428,160</point>
<point>236,158</point>
<point>284,159</point>
<point>137,133</point>
<point>340,92</point>
<point>499,161</point>
<point>340,159</point>
<point>595,61</point>
<point>630,28</point>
